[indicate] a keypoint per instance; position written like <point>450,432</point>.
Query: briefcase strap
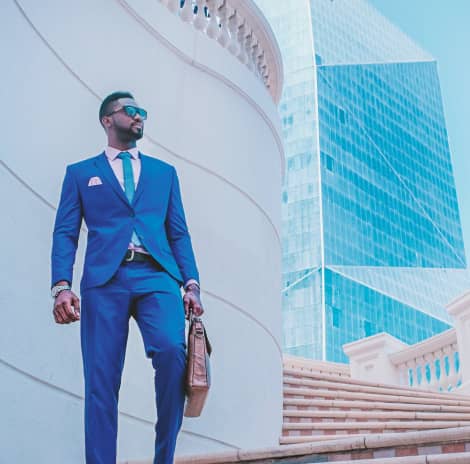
<point>193,319</point>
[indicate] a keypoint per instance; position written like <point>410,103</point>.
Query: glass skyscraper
<point>372,240</point>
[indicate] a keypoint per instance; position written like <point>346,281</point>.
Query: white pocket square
<point>94,181</point>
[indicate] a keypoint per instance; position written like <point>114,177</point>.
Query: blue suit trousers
<point>150,295</point>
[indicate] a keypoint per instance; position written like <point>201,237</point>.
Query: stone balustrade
<point>240,27</point>
<point>432,364</point>
<point>440,363</point>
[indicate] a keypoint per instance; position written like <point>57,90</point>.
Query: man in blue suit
<point>138,255</point>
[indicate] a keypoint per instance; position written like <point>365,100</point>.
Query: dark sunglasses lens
<point>142,113</point>
<point>132,111</point>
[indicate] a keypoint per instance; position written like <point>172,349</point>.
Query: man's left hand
<point>192,301</point>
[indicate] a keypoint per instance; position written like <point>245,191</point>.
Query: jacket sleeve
<point>178,234</point>
<point>66,230</point>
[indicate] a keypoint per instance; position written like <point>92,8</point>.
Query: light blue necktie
<point>129,186</point>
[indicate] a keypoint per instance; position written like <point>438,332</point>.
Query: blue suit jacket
<point>156,214</point>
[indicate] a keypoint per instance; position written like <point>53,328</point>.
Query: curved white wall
<point>216,122</point>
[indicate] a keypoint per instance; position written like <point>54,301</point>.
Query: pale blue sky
<point>442,28</point>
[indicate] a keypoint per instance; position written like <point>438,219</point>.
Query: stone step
<point>331,435</point>
<point>299,439</point>
<point>451,446</point>
<point>452,458</point>
<point>326,404</point>
<point>292,415</point>
<point>303,393</point>
<point>291,428</point>
<point>291,382</point>
<point>309,375</point>
<point>309,365</point>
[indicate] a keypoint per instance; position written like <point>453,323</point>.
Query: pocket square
<point>94,181</point>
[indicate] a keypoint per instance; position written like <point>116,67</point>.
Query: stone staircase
<point>321,405</point>
<point>329,417</point>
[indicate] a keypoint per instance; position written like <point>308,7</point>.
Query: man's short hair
<point>106,105</point>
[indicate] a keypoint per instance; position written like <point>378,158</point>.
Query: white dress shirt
<point>116,163</point>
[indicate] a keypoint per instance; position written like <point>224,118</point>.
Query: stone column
<point>369,358</point>
<point>459,309</point>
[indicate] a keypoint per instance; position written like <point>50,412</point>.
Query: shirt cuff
<point>191,281</point>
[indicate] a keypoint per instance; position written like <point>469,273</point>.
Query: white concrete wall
<point>216,122</point>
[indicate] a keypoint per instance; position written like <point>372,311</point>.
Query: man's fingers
<point>59,316</point>
<point>198,310</point>
<point>193,303</point>
<point>196,306</point>
<point>70,315</point>
<point>186,307</point>
<point>66,308</point>
<point>76,307</point>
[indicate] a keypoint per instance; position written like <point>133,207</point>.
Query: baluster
<point>213,29</point>
<point>249,44</point>
<point>223,13</point>
<point>412,373</point>
<point>233,25</point>
<point>242,38</point>
<point>431,367</point>
<point>458,365</point>
<point>200,22</point>
<point>438,365</point>
<point>259,62</point>
<point>263,66</point>
<point>255,52</point>
<point>450,351</point>
<point>173,5</point>
<point>444,380</point>
<point>187,12</point>
<point>420,373</point>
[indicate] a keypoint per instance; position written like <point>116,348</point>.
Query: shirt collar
<point>111,152</point>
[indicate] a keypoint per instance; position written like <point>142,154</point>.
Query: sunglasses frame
<point>133,111</point>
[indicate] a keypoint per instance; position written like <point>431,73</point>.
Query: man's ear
<point>106,122</point>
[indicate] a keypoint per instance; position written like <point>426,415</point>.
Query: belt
<point>132,255</point>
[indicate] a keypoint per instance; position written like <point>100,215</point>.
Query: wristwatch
<point>59,288</point>
<point>188,286</point>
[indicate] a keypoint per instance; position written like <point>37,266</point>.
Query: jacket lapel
<point>103,164</point>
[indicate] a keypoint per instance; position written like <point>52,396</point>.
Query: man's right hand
<point>66,307</point>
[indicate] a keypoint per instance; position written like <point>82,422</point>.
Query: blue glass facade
<point>355,311</point>
<point>372,239</point>
<point>388,190</point>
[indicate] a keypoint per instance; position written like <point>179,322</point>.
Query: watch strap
<point>59,288</point>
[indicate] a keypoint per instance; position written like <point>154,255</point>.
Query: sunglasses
<point>131,111</point>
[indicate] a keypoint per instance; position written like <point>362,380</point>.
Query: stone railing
<point>440,363</point>
<point>432,364</point>
<point>240,27</point>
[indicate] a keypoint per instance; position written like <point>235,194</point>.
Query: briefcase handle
<point>200,330</point>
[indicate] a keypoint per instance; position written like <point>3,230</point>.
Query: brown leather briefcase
<point>198,375</point>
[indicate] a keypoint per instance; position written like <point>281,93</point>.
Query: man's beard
<point>132,134</point>
<point>138,133</point>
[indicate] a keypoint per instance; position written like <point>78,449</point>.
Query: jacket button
<point>132,214</point>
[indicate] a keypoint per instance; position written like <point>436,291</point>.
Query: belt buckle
<point>131,257</point>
